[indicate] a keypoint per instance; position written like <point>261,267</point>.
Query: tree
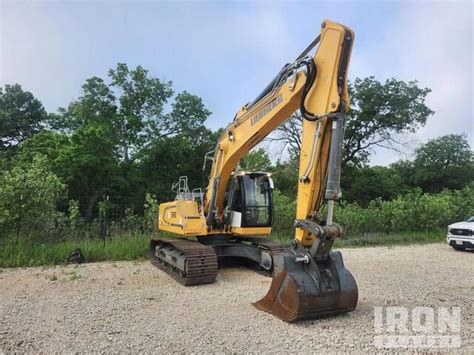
<point>91,166</point>
<point>21,115</point>
<point>166,159</point>
<point>285,176</point>
<point>186,118</point>
<point>29,195</point>
<point>289,135</point>
<point>97,105</point>
<point>444,162</point>
<point>285,213</point>
<point>131,109</point>
<point>365,184</point>
<point>51,145</point>
<point>256,160</point>
<point>87,161</point>
<point>380,114</point>
<point>405,169</point>
<point>116,128</point>
<point>141,106</point>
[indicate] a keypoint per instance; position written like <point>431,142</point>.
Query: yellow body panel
<point>251,230</point>
<point>183,217</point>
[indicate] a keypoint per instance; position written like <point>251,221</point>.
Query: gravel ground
<point>133,307</point>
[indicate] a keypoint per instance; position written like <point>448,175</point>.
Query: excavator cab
<point>248,201</point>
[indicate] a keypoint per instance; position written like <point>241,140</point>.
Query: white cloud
<point>433,43</point>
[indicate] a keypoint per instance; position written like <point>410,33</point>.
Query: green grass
<point>379,239</point>
<point>402,238</point>
<point>135,247</point>
<point>23,253</point>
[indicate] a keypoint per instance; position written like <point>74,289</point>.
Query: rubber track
<point>200,261</point>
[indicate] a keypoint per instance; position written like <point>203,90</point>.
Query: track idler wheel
<point>305,289</point>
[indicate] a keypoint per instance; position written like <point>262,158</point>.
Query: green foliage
<point>29,195</point>
<point>151,212</point>
<point>75,220</point>
<point>186,118</point>
<point>444,162</point>
<point>285,176</point>
<point>106,225</point>
<point>256,160</point>
<point>131,221</point>
<point>404,169</point>
<point>397,238</point>
<point>365,184</point>
<point>95,106</point>
<point>415,211</point>
<point>379,112</point>
<point>21,115</point>
<point>414,218</point>
<point>164,161</point>
<point>119,141</point>
<point>141,105</point>
<point>53,146</point>
<point>412,212</point>
<point>90,167</point>
<point>284,214</point>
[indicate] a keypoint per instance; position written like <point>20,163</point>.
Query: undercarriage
<point>195,261</point>
<point>306,283</point>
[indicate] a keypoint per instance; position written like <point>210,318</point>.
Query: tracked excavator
<point>233,216</point>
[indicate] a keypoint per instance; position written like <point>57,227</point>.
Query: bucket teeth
<point>309,290</point>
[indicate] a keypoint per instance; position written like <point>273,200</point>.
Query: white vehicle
<point>461,235</point>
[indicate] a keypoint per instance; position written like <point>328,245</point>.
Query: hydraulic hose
<point>311,71</point>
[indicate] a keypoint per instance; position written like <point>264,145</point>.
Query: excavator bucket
<point>305,289</point>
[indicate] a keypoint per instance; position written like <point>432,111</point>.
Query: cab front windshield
<point>258,212</point>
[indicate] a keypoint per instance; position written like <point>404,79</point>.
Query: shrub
<point>284,213</point>
<point>414,211</point>
<point>29,193</point>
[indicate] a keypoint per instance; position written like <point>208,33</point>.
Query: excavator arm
<point>315,85</point>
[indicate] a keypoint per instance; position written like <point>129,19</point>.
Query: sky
<point>227,52</point>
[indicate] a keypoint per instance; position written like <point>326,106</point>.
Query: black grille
<point>458,231</point>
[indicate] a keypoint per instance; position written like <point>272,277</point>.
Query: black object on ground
<point>76,257</point>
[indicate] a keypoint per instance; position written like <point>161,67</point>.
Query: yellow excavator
<point>233,216</point>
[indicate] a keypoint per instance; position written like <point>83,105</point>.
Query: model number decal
<point>266,109</point>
